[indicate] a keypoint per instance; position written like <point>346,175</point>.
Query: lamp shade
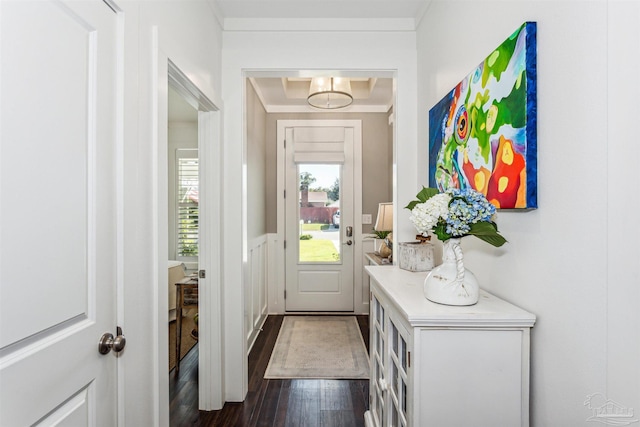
<point>330,92</point>
<point>384,222</point>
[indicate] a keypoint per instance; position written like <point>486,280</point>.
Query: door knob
<point>108,342</point>
<point>348,242</point>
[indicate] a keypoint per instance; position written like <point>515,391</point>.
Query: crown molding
<point>319,24</point>
<point>309,109</point>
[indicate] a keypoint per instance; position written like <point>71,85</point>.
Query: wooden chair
<point>186,296</point>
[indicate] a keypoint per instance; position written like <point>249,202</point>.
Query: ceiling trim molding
<point>307,109</point>
<point>422,12</point>
<point>258,91</point>
<point>217,13</point>
<point>320,24</point>
<point>185,87</point>
<point>309,73</point>
<point>273,101</point>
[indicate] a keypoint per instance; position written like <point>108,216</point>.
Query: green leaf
<point>440,230</point>
<point>425,194</point>
<point>496,240</point>
<point>412,204</point>
<point>488,232</point>
<point>380,234</point>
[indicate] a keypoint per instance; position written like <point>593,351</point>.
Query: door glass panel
<point>403,351</point>
<point>404,398</point>
<point>380,312</point>
<point>394,378</point>
<point>319,213</point>
<point>394,339</point>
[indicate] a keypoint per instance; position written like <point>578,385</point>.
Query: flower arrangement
<point>455,213</point>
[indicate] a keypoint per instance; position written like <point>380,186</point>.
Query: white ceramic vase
<point>450,283</point>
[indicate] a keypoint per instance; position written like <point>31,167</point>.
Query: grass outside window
<point>315,227</point>
<point>318,250</point>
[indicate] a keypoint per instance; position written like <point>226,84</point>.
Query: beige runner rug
<point>319,347</point>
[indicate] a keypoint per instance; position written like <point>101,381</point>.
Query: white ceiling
<point>284,95</point>
<point>319,9</point>
<point>279,94</point>
<point>289,95</point>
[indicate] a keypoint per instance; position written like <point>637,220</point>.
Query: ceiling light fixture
<point>329,93</point>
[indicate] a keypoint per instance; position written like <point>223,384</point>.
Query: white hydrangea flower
<point>426,215</point>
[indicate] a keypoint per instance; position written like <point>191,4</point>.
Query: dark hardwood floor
<point>328,403</point>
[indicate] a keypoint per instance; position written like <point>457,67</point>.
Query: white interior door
<point>57,212</point>
<point>319,251</point>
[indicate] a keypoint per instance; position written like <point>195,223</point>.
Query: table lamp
<point>384,222</point>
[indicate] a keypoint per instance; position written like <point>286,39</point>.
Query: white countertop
<point>405,290</point>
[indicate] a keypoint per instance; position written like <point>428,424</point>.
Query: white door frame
<point>278,299</point>
<point>210,384</point>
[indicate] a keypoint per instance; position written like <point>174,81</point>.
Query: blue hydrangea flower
<point>455,213</point>
<point>467,207</point>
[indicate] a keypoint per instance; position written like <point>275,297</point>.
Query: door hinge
<point>202,274</point>
<point>285,294</point>
<point>285,143</point>
<point>285,194</point>
<point>285,244</point>
<point>409,358</point>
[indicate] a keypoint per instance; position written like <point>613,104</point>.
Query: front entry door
<point>58,207</point>
<point>319,218</point>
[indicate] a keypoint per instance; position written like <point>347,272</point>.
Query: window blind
<point>187,215</point>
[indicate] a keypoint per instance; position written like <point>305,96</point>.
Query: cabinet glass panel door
<point>398,387</point>
<point>377,359</point>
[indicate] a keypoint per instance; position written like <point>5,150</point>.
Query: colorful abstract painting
<point>482,134</point>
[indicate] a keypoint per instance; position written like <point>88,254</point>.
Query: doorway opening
<point>281,96</point>
<point>320,257</point>
<point>189,151</point>
<point>183,226</point>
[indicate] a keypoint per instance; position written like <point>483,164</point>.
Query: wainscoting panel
<point>367,246</point>
<point>256,289</point>
<point>275,278</point>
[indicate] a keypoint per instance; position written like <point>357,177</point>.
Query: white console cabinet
<point>444,366</point>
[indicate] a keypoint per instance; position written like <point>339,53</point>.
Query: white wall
<point>570,262</point>
<point>623,162</point>
<point>573,262</point>
<point>189,35</point>
<point>258,262</point>
<point>256,165</point>
<point>299,50</point>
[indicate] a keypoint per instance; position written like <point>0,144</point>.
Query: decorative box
<point>414,256</point>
